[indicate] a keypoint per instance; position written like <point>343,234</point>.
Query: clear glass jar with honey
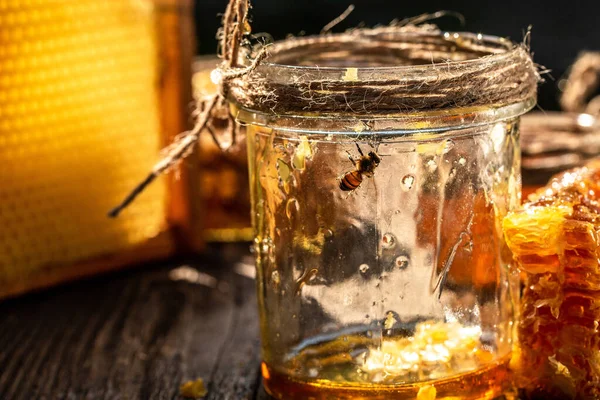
<point>382,270</point>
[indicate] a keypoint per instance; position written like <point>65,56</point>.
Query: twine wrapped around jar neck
<point>387,70</point>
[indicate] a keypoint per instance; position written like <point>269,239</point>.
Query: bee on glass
<point>364,166</point>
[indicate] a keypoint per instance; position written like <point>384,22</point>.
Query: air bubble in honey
<point>408,182</point>
<point>402,262</point>
<point>388,241</point>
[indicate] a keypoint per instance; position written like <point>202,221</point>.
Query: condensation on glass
<point>402,287</point>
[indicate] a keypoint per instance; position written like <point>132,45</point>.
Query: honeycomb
<point>79,127</point>
<point>436,350</point>
<point>555,239</point>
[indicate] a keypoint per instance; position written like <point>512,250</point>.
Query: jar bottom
<point>489,383</point>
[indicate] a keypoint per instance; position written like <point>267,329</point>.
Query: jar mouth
<point>396,52</point>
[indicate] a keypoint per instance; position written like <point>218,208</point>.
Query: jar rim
<point>504,48</point>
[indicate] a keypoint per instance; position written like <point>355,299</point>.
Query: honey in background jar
<point>223,173</point>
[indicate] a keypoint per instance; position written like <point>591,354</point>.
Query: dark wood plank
<point>237,373</point>
<point>136,334</point>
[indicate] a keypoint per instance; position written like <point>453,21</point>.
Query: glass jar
<point>386,278</point>
<point>223,175</point>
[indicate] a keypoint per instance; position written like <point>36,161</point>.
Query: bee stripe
<point>351,181</point>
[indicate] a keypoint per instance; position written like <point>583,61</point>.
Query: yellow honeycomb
<point>79,127</point>
<point>555,240</point>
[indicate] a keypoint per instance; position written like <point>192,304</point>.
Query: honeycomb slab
<point>555,239</point>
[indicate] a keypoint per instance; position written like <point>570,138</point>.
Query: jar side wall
<point>350,280</point>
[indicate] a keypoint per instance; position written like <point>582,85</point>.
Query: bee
<point>364,166</point>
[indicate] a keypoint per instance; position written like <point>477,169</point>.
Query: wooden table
<point>137,334</point>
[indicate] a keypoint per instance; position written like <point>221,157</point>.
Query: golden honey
<point>436,363</point>
<point>486,384</point>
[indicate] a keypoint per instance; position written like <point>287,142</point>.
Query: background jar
<point>223,175</point>
<point>403,284</point>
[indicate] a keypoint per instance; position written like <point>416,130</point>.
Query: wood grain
<point>135,335</point>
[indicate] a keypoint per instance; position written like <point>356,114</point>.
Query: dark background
<point>560,29</point>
